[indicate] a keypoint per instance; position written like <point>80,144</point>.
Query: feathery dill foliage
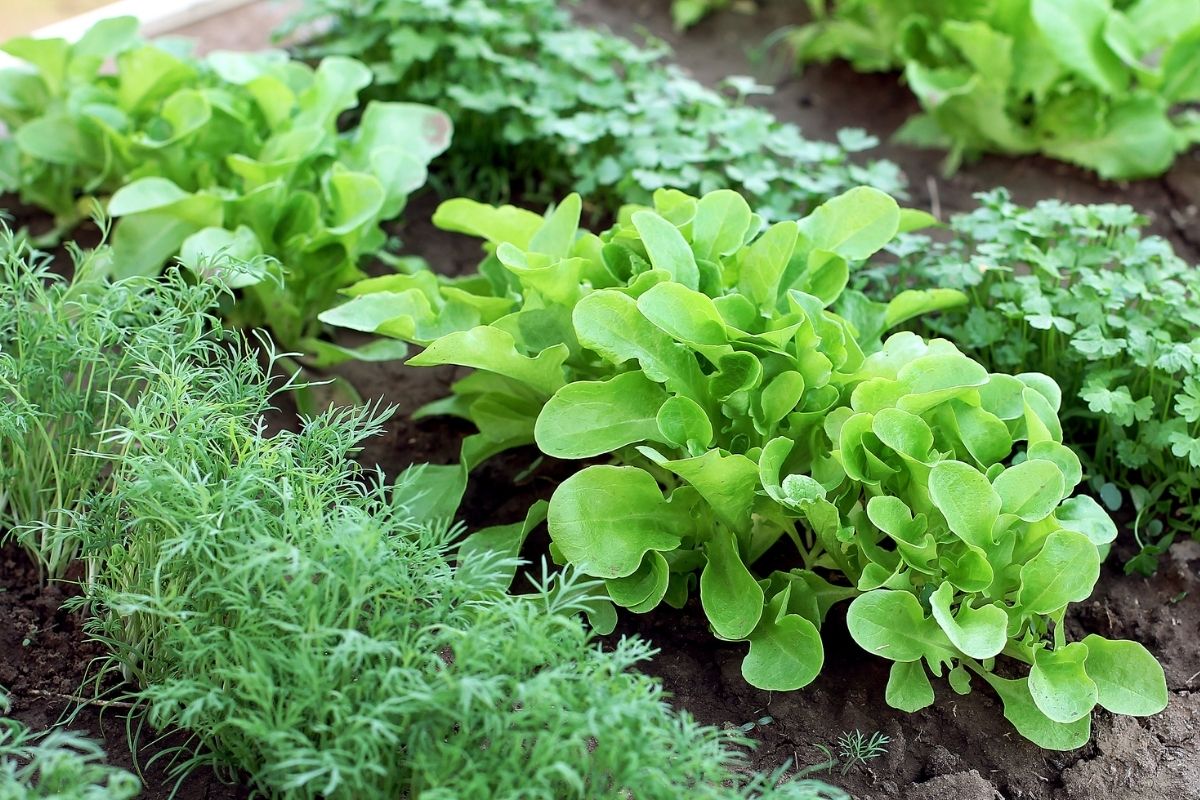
<point>542,104</point>
<point>1079,293</point>
<point>66,348</point>
<point>59,765</point>
<point>275,601</point>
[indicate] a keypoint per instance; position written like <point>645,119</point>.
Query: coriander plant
<point>760,443</point>
<point>299,618</point>
<point>234,154</point>
<point>1100,83</point>
<point>541,104</point>
<point>1079,293</point>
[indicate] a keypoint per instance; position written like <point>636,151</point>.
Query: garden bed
<point>959,748</point>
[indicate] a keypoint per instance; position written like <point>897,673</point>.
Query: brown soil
<point>961,748</point>
<point>47,666</point>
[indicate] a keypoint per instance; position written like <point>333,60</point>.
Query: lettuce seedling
<point>235,154</point>
<point>771,451</point>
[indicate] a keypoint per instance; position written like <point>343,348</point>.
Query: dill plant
<point>66,347</point>
<point>281,604</point>
<point>58,765</point>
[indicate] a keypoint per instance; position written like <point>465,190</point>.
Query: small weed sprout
<point>854,748</point>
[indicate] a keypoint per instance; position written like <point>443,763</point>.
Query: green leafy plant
<point>237,154</point>
<point>687,13</point>
<point>541,105</point>
<point>1077,292</point>
<point>308,625</point>
<point>855,749</point>
<point>57,765</point>
<point>66,347</point>
<point>1099,83</point>
<point>773,453</point>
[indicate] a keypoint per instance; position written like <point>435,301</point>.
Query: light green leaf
<point>912,303</point>
<point>722,219</point>
<point>667,248</point>
<point>604,519</point>
<point>855,225</point>
<point>1139,141</point>
<point>224,252</point>
<point>978,632</point>
<point>589,418</point>
<point>967,501</point>
<point>145,194</point>
<point>786,652</point>
<point>495,224</point>
<point>353,200</point>
<point>908,687</point>
<point>731,597</point>
<point>1085,515</point>
<point>891,624</point>
<point>682,422</point>
<point>610,323</point>
<point>1059,685</point>
<point>644,589</point>
<point>727,481</point>
<point>503,540</point>
<point>1064,571</point>
<point>1128,678</point>
<point>494,350</point>
<point>1030,722</point>
<point>144,242</point>
<point>764,262</point>
<point>1076,28</point>
<point>557,235</point>
<point>1031,490</point>
<point>687,316</point>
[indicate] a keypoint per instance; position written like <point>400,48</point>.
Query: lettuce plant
<point>767,449</point>
<point>1077,292</point>
<point>237,154</point>
<point>1099,83</point>
<point>303,622</point>
<point>541,104</point>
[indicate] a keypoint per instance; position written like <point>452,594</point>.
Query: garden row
<point>748,377</point>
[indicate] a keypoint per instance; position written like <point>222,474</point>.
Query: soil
<point>960,748</point>
<point>48,666</point>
